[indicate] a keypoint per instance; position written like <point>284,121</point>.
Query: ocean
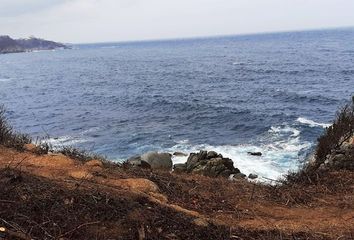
<point>274,93</point>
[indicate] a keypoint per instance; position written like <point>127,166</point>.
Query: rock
<point>237,176</point>
<point>134,158</point>
<point>201,222</point>
<point>53,160</point>
<point>255,153</point>
<point>135,184</point>
<point>159,197</point>
<point>31,147</point>
<point>94,163</point>
<point>180,167</point>
<point>341,161</point>
<point>347,147</point>
<point>252,176</point>
<point>203,155</point>
<point>210,164</point>
<point>180,154</point>
<point>157,160</point>
<point>311,160</point>
<point>212,154</point>
<point>80,174</point>
<point>137,162</point>
<point>337,158</point>
<point>328,161</point>
<point>322,167</point>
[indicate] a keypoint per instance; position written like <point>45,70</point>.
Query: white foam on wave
<point>68,140</point>
<point>109,47</point>
<point>285,129</point>
<point>278,157</point>
<point>312,123</point>
<point>5,79</point>
<point>63,141</point>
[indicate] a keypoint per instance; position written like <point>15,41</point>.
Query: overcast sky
<point>80,21</point>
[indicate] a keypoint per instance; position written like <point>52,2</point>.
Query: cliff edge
<point>69,194</point>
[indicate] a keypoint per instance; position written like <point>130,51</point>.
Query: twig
<point>253,190</point>
<point>270,179</point>
<point>17,235</point>
<point>78,227</point>
<point>141,232</point>
<point>6,201</point>
<point>21,235</point>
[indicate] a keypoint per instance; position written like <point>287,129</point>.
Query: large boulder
<point>179,167</point>
<point>137,162</point>
<point>208,164</point>
<point>157,160</point>
<point>180,154</point>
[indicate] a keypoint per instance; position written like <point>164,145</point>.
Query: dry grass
<point>33,207</point>
<point>8,137</point>
<point>42,209</point>
<point>37,208</point>
<point>341,130</point>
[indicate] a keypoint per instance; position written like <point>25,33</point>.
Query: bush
<point>341,130</point>
<point>79,154</point>
<point>8,137</point>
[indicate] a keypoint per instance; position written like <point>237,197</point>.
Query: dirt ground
<point>55,197</point>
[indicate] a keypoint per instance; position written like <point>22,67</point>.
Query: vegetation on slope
<point>335,135</point>
<point>8,137</point>
<point>9,45</point>
<point>41,199</point>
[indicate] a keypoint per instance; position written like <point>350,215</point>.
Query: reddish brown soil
<point>55,197</point>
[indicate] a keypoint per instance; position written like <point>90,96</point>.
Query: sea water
<point>273,93</point>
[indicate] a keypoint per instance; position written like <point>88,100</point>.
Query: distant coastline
<point>10,45</point>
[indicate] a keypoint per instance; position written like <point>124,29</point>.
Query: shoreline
<point>204,206</point>
<point>72,194</point>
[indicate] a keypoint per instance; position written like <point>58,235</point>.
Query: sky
<point>85,21</point>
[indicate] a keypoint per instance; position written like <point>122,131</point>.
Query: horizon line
<point>212,36</point>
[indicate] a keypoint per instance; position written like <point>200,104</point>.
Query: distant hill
<point>9,45</point>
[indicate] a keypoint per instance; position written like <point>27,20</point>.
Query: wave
<point>238,63</point>
<point>64,141</point>
<point>108,47</point>
<point>285,129</point>
<point>312,123</point>
<point>5,79</point>
<point>281,151</point>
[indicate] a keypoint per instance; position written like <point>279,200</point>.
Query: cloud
<point>120,20</point>
<point>14,8</point>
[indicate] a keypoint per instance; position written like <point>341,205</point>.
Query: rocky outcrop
<point>180,154</point>
<point>340,158</point>
<point>157,160</point>
<point>137,162</point>
<point>209,164</point>
<point>153,160</point>
<point>252,176</point>
<point>33,43</point>
<point>254,153</point>
<point>9,45</point>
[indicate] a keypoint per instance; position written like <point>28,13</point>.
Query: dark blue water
<point>272,92</point>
